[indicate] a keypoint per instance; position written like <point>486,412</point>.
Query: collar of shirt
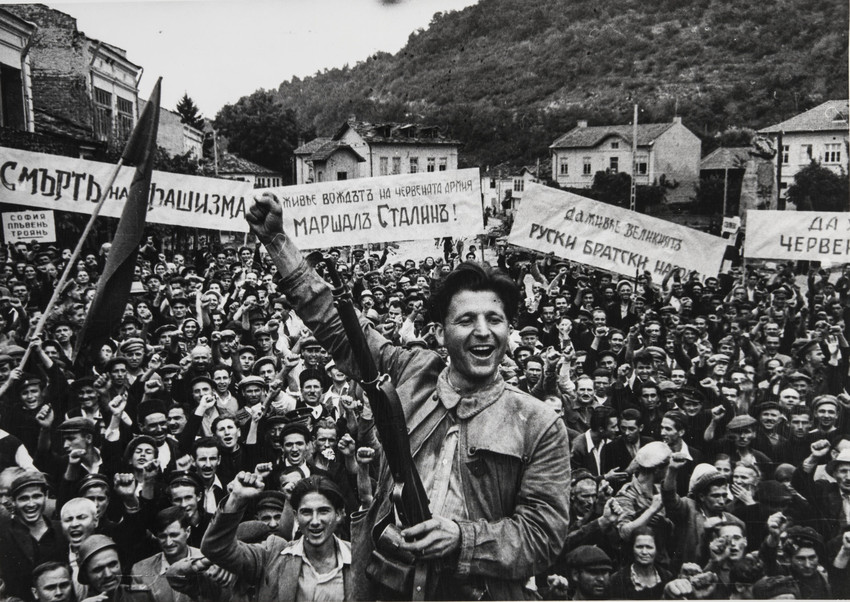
<point>686,452</point>
<point>590,445</point>
<point>472,403</point>
<point>343,552</point>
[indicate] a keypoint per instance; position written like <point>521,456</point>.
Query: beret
<point>741,422</point>
<point>767,405</point>
<point>311,374</point>
<point>151,406</point>
<point>91,545</point>
<point>587,557</point>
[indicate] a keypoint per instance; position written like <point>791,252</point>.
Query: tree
<point>189,113</point>
<point>817,188</point>
<point>260,129</point>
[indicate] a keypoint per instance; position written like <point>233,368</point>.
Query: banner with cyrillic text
<point>68,184</point>
<point>611,238</point>
<point>365,210</point>
<point>29,226</point>
<point>792,235</point>
<point>383,209</point>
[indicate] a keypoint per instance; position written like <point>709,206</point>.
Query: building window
<point>342,175</point>
<point>492,183</point>
<point>125,118</point>
<point>320,176</point>
<point>414,165</point>
<point>310,174</point>
<point>585,168</point>
<point>519,185</point>
<point>806,153</point>
<point>786,152</point>
<point>384,166</point>
<point>614,165</point>
<point>444,163</point>
<point>641,166</point>
<point>564,167</point>
<point>432,164</point>
<point>11,98</point>
<point>102,114</point>
<point>615,145</point>
<point>832,153</point>
<point>396,165</point>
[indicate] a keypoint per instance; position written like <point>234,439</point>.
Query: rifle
<point>387,566</point>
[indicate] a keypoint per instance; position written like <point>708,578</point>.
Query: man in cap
<point>804,550</point>
<point>826,411</point>
<point>186,490</point>
<point>830,498</point>
<point>673,429</point>
<point>30,537</point>
<point>100,569</point>
<point>80,456</point>
<point>705,505</point>
<point>590,572</point>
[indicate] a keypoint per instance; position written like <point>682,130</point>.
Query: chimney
<point>677,119</point>
<point>582,123</point>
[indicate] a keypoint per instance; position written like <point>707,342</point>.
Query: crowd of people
<point>594,437</point>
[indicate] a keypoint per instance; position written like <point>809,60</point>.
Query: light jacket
<point>513,450</point>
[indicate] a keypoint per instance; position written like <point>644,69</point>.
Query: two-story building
<point>666,153</point>
<point>176,137</point>
<point>819,134</point>
<point>78,90</point>
<point>15,86</point>
<point>362,150</point>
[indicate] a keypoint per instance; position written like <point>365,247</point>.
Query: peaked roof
<point>311,147</point>
<point>588,137</point>
<point>228,163</point>
<point>726,158</point>
<point>396,133</point>
<point>330,147</point>
<point>828,116</point>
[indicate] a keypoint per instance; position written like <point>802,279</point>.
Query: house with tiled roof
<point>666,153</point>
<point>819,134</point>
<point>361,150</point>
<point>233,167</point>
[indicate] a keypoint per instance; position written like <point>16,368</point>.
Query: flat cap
<point>741,422</point>
<point>93,479</point>
<point>252,380</point>
<point>271,499</point>
<point>29,478</point>
<point>78,424</point>
<point>528,331</point>
<point>653,454</point>
<point>703,477</point>
<point>589,557</point>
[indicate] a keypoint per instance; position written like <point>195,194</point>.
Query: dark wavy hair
<point>472,276</point>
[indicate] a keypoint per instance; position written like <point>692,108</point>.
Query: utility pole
<point>633,191</point>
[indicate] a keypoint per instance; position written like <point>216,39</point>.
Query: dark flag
<point>113,287</point>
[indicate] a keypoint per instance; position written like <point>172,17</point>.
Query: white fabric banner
<point>609,237</point>
<point>366,210</point>
<point>383,209</point>
<point>68,184</point>
<point>793,235</point>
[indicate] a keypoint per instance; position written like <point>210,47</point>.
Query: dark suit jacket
<point>616,455</point>
<point>20,553</point>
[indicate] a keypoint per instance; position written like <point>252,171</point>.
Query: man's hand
<point>124,485</point>
<point>263,469</point>
<point>717,413</point>
<point>346,445</point>
<point>246,485</point>
<point>820,448</point>
<point>264,217</point>
<point>117,405</point>
<point>434,538</point>
<point>45,417</point>
<point>184,462</point>
<point>678,460</point>
<point>365,455</point>
<point>678,589</point>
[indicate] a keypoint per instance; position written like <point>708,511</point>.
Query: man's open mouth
<point>482,351</point>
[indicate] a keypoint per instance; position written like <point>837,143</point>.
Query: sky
<point>219,51</point>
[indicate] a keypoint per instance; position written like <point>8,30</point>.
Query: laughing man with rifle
<point>492,468</point>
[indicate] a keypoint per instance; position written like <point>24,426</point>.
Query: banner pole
<point>57,291</point>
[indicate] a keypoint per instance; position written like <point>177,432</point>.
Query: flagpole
<point>57,291</point>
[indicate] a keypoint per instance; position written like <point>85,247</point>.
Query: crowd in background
<point>708,421</point>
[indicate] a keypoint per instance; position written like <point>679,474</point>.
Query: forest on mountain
<point>507,77</point>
